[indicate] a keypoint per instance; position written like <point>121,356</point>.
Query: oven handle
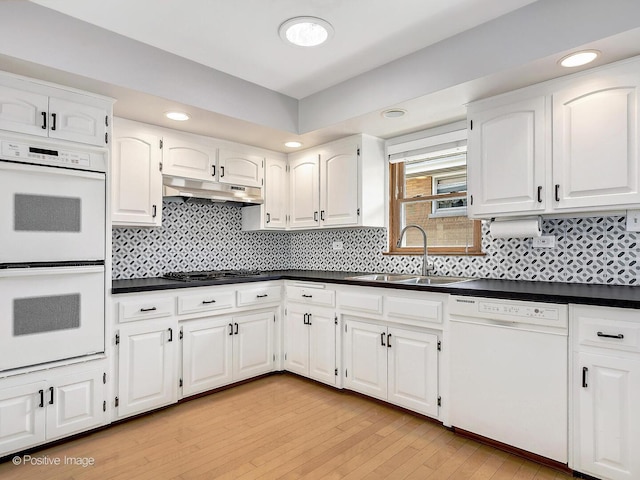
<point>41,272</point>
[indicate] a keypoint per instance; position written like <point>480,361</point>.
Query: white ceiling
<point>240,37</point>
<point>245,84</point>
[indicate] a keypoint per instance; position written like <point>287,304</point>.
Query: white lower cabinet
<point>217,351</point>
<point>206,354</point>
<point>147,360</point>
<point>50,405</point>
<point>392,363</point>
<point>310,342</point>
<point>606,392</point>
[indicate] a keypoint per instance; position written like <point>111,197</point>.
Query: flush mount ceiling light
<point>306,31</point>
<point>577,59</point>
<point>179,116</point>
<point>293,144</point>
<point>394,113</point>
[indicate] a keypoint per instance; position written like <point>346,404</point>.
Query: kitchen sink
<point>383,277</point>
<point>405,279</point>
<point>433,280</point>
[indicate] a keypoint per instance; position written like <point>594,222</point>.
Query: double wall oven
<point>52,251</point>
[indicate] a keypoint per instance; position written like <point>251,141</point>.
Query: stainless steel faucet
<point>427,265</point>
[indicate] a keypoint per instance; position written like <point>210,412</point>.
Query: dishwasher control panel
<point>509,312</point>
<point>518,310</point>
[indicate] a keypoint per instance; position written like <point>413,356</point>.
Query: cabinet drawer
<point>143,308</point>
<point>414,308</point>
<point>616,334</point>
<point>260,295</point>
<point>315,296</point>
<point>360,302</point>
<point>205,302</point>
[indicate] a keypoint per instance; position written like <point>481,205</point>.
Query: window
<point>429,189</point>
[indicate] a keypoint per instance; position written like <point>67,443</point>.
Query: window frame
<point>396,200</point>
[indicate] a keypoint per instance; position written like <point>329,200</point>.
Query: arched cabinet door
<point>595,141</point>
<point>506,158</point>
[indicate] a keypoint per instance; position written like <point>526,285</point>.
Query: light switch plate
<point>633,221</point>
<point>545,241</point>
<point>338,246</point>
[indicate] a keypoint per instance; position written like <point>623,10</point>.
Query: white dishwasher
<point>509,363</point>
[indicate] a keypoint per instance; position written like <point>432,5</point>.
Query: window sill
<point>436,253</point>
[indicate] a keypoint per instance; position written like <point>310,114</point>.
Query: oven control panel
<point>51,155</point>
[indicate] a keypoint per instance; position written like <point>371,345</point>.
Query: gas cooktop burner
<point>208,275</point>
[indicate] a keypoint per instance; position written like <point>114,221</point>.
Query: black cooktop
<point>208,275</point>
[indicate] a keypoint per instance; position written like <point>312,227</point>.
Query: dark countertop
<point>551,292</point>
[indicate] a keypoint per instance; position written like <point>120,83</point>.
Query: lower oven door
<point>51,214</point>
<point>49,314</point>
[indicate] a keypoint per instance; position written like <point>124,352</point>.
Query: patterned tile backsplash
<point>200,236</point>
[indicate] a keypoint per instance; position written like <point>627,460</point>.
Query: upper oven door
<point>51,214</point>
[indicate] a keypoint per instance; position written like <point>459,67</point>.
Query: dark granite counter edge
<point>550,292</point>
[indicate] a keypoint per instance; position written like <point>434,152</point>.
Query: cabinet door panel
<point>136,178</point>
<point>253,345</point>
<point>296,341</point>
<point>21,417</point>
<point>206,355</point>
<point>366,359</point>
<point>413,370</point>
<point>240,169</point>
<point>77,404</point>
<point>322,347</point>
<point>147,378</point>
<point>339,187</point>
<point>22,111</point>
<point>608,417</point>
<point>188,159</point>
<point>304,180</point>
<point>77,122</point>
<point>275,193</point>
<point>507,158</point>
<point>595,148</point>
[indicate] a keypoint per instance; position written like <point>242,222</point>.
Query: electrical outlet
<point>338,246</point>
<point>633,221</point>
<point>545,241</point>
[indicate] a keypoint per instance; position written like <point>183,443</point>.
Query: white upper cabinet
<point>506,165</point>
<point>23,112</point>
<point>567,145</point>
<point>276,189</point>
<point>46,111</point>
<point>78,122</point>
<point>595,140</point>
<point>304,184</point>
<point>339,184</point>
<point>272,214</point>
<point>136,180</point>
<point>186,157</point>
<point>240,168</point>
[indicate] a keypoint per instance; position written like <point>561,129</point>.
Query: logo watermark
<point>45,460</point>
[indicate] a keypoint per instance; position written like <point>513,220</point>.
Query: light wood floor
<point>280,427</point>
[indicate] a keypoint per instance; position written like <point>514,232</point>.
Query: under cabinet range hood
<point>188,188</point>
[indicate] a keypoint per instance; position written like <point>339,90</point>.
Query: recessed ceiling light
<point>293,144</point>
<point>179,116</point>
<point>394,113</point>
<point>306,31</point>
<point>577,59</point>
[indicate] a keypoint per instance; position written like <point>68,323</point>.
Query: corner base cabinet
<point>606,392</point>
